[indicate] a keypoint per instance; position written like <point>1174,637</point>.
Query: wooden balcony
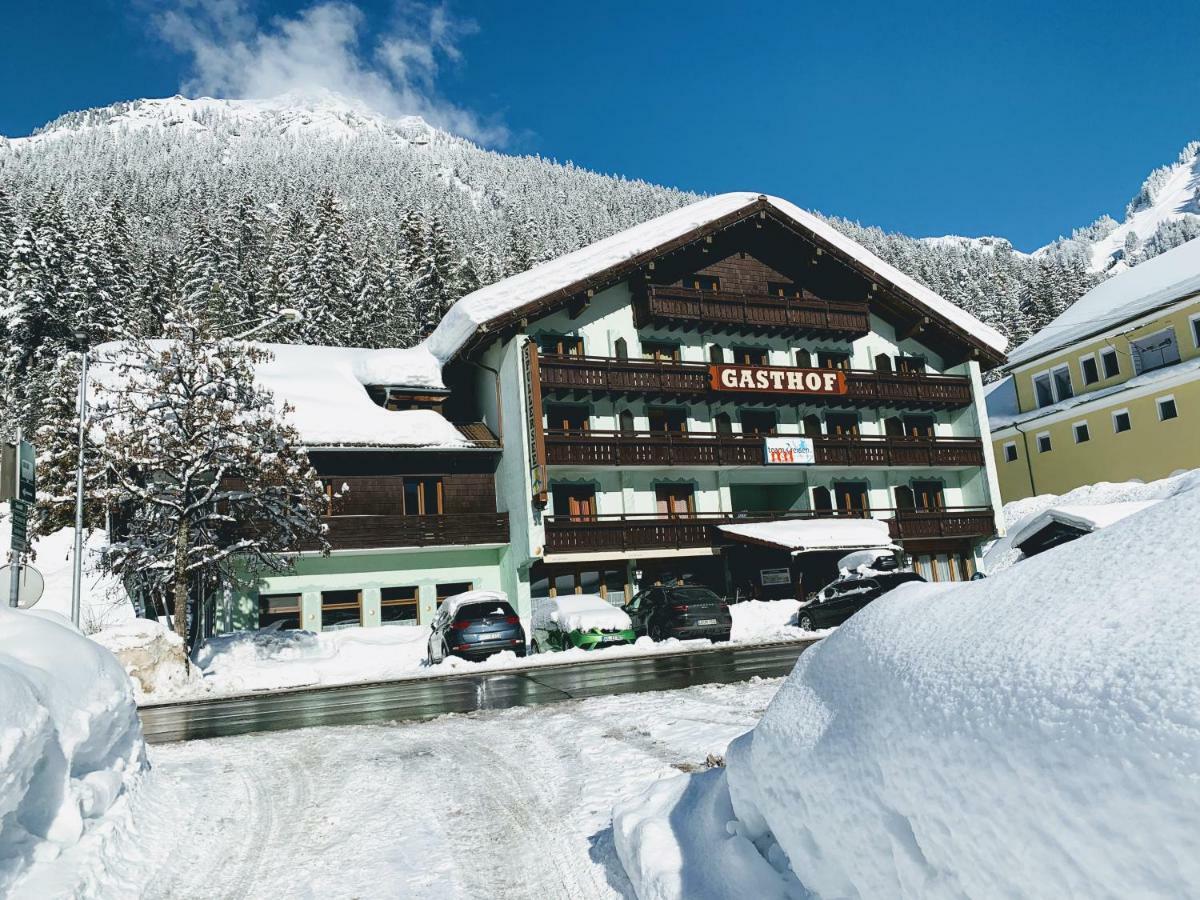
<point>659,448</point>
<point>623,533</point>
<point>654,378</point>
<point>372,532</point>
<point>807,315</point>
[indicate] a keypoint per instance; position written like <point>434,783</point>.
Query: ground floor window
<point>609,582</point>
<point>281,608</point>
<point>451,589</point>
<point>398,605</point>
<point>943,566</point>
<point>341,608</point>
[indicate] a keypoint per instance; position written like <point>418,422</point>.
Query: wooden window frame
<point>440,493</point>
<point>564,344</point>
<point>740,355</point>
<point>298,608</point>
<point>838,356</point>
<point>653,412</point>
<point>560,424</point>
<point>691,282</point>
<point>385,604</point>
<point>340,605</point>
<point>657,354</point>
<point>752,413</point>
<point>443,597</point>
<point>690,499</point>
<point>784,289</point>
<point>838,486</point>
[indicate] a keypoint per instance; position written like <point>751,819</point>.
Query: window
<point>883,362</point>
<point>918,426</point>
<point>1121,421</point>
<point>750,356</point>
<point>782,289</point>
<point>812,425</point>
<point>398,605</point>
<point>716,354</point>
<point>758,421</point>
<point>822,501</point>
<point>340,609</point>
<point>702,282</point>
<point>625,420</point>
<point>575,502</point>
<point>1087,366</point>
<point>1110,363</point>
<point>929,495</point>
<point>1043,442</point>
<point>662,351</point>
<point>833,359</point>
<point>1043,392</point>
<point>1166,408</point>
<point>1081,432</point>
<point>422,496</point>
<point>803,359</point>
<point>1010,451</point>
<point>1062,383</point>
<point>1195,323</point>
<point>1154,351</point>
<point>724,423</point>
<point>560,344</point>
<point>668,418</point>
<point>910,365</point>
<point>843,424</point>
<point>452,589</point>
<point>567,417</point>
<point>852,498</point>
<point>675,500</point>
<point>281,608</point>
<point>621,348</point>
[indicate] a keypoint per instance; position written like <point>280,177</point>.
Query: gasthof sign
<point>776,380</point>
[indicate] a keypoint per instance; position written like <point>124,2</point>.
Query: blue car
<point>474,626</point>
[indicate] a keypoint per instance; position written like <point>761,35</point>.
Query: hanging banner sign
<point>776,380</point>
<point>789,451</point>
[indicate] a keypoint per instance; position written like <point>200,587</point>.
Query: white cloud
<point>325,47</point>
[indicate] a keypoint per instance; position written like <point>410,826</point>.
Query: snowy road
<point>506,804</point>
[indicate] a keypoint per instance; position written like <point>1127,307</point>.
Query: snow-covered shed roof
<point>574,272</point>
<point>1150,285</point>
<point>1086,517</point>
<point>799,535</point>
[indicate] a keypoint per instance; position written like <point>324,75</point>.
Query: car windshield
<point>476,611</point>
<point>694,595</point>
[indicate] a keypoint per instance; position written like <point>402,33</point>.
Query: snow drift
<point>581,612</point>
<point>1035,734</point>
<point>70,739</point>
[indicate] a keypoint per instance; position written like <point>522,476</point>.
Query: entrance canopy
<point>803,535</point>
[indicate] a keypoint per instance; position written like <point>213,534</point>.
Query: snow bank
<point>579,611</point>
<point>103,600</point>
<point>508,294</point>
<point>1034,734</point>
<point>70,741</point>
<point>1018,514</point>
<point>152,655</point>
<point>815,534</point>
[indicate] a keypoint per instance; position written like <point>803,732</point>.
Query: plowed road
<point>423,698</point>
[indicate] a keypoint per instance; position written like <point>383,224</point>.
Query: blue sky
<point>1018,119</point>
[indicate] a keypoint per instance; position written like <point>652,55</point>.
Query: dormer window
<point>783,289</point>
<point>702,282</point>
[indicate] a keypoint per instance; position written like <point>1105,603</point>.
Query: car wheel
<point>656,633</point>
<point>806,623</point>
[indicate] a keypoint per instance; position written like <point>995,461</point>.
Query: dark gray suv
<point>475,626</point>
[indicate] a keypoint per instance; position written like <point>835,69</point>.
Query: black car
<point>680,611</point>
<point>474,626</point>
<point>836,602</point>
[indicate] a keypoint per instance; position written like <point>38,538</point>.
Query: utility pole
<point>14,506</point>
<point>77,561</point>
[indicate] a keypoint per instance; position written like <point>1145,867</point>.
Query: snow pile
<point>814,534</point>
<point>1018,514</point>
<point>1033,734</point>
<point>70,742</point>
<point>103,600</point>
<point>582,612</point>
<point>509,294</point>
<point>153,656</point>
<point>755,621</point>
<point>1147,286</point>
<point>1085,517</point>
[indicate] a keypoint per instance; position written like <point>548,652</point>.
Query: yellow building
<point>1108,391</point>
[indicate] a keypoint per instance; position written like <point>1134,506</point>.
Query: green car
<point>578,620</point>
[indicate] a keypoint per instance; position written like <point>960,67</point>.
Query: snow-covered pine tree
<point>1131,247</point>
<point>206,481</point>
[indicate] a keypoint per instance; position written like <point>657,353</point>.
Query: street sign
<point>8,471</point>
<point>20,525</point>
<point>26,485</point>
<point>30,584</point>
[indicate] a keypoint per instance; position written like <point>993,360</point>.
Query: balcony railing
<point>374,532</point>
<point>602,374</point>
<point>807,314</point>
<point>661,448</point>
<point>621,533</point>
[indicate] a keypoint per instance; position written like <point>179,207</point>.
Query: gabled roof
<point>1158,282</point>
<point>597,265</point>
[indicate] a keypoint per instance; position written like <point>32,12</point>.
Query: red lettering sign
<point>776,380</point>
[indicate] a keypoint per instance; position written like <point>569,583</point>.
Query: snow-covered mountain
<point>1164,214</point>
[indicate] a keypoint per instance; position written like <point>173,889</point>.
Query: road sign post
<point>20,486</point>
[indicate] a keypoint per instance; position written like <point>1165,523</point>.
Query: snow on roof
<point>482,306</point>
<point>581,612</point>
<point>1005,415</point>
<point>1155,283</point>
<point>1001,399</point>
<point>798,535</point>
<point>453,604</point>
<point>1084,516</point>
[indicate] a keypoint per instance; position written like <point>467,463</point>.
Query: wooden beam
<point>912,329</point>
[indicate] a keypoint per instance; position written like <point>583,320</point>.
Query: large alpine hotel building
<point>591,424</point>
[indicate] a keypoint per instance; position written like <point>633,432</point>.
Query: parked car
<point>578,620</point>
<point>836,602</point>
<point>475,625</point>
<point>680,611</point>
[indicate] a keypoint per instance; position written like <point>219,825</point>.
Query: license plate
<point>609,638</point>
<point>707,622</point>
